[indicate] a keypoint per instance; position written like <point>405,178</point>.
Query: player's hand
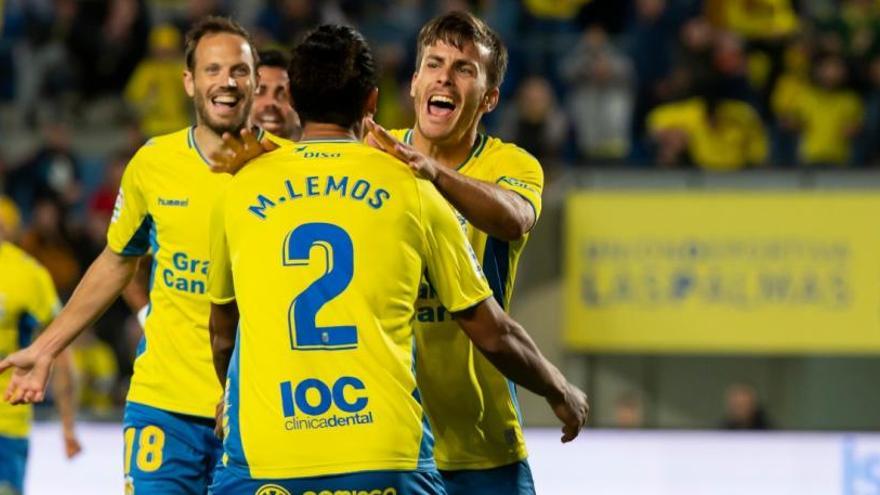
<point>421,164</point>
<point>572,410</point>
<point>236,151</point>
<point>29,376</point>
<point>72,446</point>
<point>218,417</point>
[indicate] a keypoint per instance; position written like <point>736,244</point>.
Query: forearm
<point>518,358</point>
<point>223,327</point>
<point>64,389</point>
<point>97,290</point>
<point>500,213</point>
<point>510,349</point>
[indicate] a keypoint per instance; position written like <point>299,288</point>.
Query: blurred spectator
<point>535,121</point>
<point>10,220</point>
<point>601,96</point>
<point>52,172</point>
<point>549,30</point>
<point>96,370</point>
<point>106,42</point>
<point>743,410</point>
<point>155,90</point>
<point>827,114</point>
<point>198,9</point>
<point>755,19</point>
<point>395,105</point>
<point>792,85</point>
<point>48,241</point>
<point>285,21</point>
<point>629,411</point>
<point>103,199</point>
<point>709,132</point>
<point>42,73</point>
<point>272,108</point>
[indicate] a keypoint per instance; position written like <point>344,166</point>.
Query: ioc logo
<point>313,397</point>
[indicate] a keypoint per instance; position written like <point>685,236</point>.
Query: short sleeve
<point>221,289</point>
<point>452,264</point>
<point>44,306</point>
<point>131,223</point>
<point>520,172</point>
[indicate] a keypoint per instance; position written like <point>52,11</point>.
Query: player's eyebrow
<point>434,58</point>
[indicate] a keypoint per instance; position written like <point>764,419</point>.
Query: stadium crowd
<point>720,85</point>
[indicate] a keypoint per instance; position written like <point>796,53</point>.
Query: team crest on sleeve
<point>117,207</point>
<point>272,490</point>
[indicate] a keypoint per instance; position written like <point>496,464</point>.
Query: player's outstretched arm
<point>507,345</point>
<point>100,286</point>
<point>500,213</point>
<point>65,400</point>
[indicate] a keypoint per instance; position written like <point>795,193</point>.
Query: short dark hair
<point>214,25</point>
<point>274,58</point>
<point>332,72</point>
<point>457,28</point>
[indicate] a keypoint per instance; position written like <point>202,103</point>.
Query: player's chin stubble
<point>232,127</point>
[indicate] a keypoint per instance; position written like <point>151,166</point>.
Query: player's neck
<point>449,153</point>
<point>207,140</point>
<point>316,131</point>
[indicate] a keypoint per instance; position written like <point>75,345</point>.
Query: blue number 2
<point>339,255</point>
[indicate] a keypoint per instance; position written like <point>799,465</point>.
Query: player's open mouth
<point>440,105</point>
<point>225,103</point>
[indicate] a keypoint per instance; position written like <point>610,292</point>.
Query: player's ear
<point>412,84</point>
<point>372,103</point>
<point>188,83</point>
<point>490,100</point>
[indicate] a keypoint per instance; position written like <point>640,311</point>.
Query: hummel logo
<point>174,202</point>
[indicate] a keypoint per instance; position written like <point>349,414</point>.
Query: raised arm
<point>507,346</point>
<point>499,212</point>
<point>100,286</point>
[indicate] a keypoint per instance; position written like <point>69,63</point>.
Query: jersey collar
<point>476,149</point>
<point>191,142</point>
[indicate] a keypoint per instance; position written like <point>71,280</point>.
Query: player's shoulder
<point>506,154</point>
<point>158,147</point>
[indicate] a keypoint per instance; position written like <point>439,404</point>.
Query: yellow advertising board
<point>737,272</point>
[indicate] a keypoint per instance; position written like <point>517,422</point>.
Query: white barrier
<point>597,463</point>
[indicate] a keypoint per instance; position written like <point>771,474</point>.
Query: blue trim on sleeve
<point>27,327</point>
<point>496,266</point>
<point>139,244</point>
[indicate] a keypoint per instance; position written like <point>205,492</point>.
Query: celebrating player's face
<point>272,110</point>
<point>450,90</point>
<point>222,82</point>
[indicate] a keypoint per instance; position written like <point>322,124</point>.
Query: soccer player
<point>272,110</point>
<point>164,204</point>
<point>27,302</point>
<point>496,188</point>
<point>317,257</point>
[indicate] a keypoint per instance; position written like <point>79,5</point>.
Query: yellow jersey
<point>28,302</point>
<point>472,407</point>
<point>163,207</point>
<point>829,118</point>
<point>323,249</point>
